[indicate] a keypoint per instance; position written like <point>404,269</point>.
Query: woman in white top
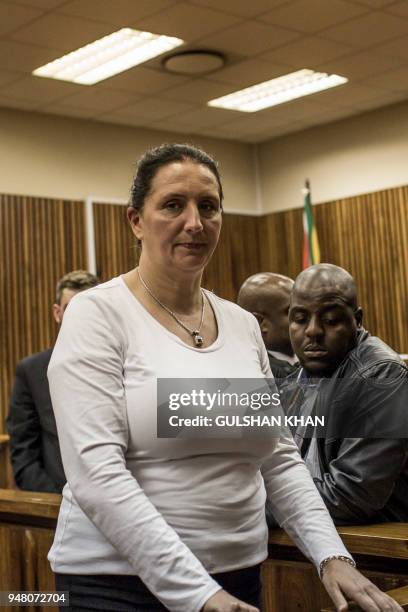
<point>149,523</point>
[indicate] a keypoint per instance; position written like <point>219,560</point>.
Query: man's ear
<point>358,315</point>
<point>56,310</point>
<point>133,216</point>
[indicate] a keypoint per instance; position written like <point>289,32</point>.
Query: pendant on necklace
<point>198,339</point>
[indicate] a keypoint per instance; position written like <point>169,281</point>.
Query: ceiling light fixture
<point>194,62</point>
<point>277,91</point>
<point>107,56</point>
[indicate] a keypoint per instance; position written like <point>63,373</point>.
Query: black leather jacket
<point>363,456</point>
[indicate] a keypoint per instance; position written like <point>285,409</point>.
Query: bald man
<point>360,386</point>
<point>267,296</point>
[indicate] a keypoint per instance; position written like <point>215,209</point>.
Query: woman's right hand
<point>224,602</point>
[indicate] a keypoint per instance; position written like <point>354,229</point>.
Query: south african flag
<point>311,250</point>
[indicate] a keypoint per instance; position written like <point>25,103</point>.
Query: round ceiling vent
<point>194,62</point>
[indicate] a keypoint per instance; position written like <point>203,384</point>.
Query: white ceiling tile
<point>368,30</point>
<point>249,38</point>
<point>13,16</point>
<point>241,8</point>
<point>222,134</point>
<point>276,132</point>
<point>43,4</point>
<point>374,4</point>
<point>197,91</point>
<point>395,48</point>
<point>38,89</point>
<point>360,65</point>
<point>9,76</point>
<point>382,99</point>
<point>119,12</point>
<point>144,80</point>
<point>312,15</point>
<point>151,109</point>
<point>248,72</point>
<point>61,32</point>
<point>171,126</point>
<point>307,52</point>
<point>206,116</point>
<point>20,103</point>
<point>131,98</point>
<point>329,116</point>
<point>187,22</point>
<point>18,56</point>
<point>58,108</point>
<point>395,80</point>
<point>100,100</point>
<point>399,8</point>
<point>234,133</point>
<point>346,95</point>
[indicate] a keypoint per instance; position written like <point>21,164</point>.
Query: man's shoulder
<point>375,356</point>
<point>36,360</point>
<point>280,368</point>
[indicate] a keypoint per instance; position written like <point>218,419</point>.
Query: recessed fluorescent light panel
<point>107,56</point>
<point>277,91</point>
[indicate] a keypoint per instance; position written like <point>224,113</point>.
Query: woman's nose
<point>193,222</point>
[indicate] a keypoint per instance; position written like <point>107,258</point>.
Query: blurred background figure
<point>267,296</point>
<point>34,446</point>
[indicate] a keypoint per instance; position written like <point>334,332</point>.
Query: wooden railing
<point>400,595</point>
<point>5,470</point>
<point>291,584</point>
<point>27,525</point>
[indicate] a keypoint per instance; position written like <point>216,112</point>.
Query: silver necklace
<point>195,333</point>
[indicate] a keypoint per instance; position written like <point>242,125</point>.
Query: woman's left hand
<point>341,580</point>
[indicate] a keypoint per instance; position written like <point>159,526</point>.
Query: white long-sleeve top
<point>168,510</point>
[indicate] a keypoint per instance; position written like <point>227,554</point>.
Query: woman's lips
<point>193,246</point>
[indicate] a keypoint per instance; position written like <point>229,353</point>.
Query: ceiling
<point>364,40</point>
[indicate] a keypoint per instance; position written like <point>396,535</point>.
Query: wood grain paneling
<point>40,241</point>
<point>115,245</point>
<point>236,256</point>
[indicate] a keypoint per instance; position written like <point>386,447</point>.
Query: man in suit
<point>359,385</point>
<point>34,447</point>
<point>267,296</point>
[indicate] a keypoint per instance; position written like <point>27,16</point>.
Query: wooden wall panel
<point>40,241</point>
<point>367,235</point>
<point>236,256</point>
<point>280,239</point>
<point>115,245</point>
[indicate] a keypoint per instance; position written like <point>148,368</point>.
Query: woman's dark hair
<point>152,160</point>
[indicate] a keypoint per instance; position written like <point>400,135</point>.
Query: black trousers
<point>129,594</point>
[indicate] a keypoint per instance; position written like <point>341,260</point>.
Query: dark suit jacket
<point>280,368</point>
<point>34,447</point>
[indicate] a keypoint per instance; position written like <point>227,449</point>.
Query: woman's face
<point>180,223</point>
